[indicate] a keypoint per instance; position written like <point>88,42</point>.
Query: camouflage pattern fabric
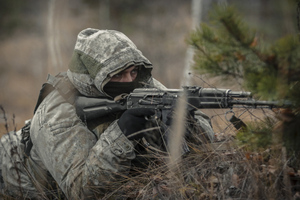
<point>67,158</point>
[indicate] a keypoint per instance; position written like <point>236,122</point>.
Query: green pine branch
<point>227,47</point>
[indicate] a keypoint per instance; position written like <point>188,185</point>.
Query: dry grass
<point>222,170</point>
<point>211,174</point>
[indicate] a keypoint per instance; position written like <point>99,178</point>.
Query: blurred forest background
<point>38,37</point>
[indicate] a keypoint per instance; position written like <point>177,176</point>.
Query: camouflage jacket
<point>66,156</point>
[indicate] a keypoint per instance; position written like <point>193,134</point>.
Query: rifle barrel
<point>254,103</point>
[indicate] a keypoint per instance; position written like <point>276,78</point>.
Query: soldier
<point>64,154</point>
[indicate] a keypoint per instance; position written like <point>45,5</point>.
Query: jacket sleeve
<point>77,161</point>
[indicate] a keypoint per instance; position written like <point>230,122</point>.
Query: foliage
<point>257,135</point>
<point>228,47</point>
<point>10,15</point>
<point>18,15</point>
<point>210,175</point>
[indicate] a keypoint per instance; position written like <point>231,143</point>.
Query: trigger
<point>154,117</point>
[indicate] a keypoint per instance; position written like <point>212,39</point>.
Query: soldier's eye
<point>116,77</point>
<point>135,71</point>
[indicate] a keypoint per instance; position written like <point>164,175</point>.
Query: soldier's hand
<point>134,120</point>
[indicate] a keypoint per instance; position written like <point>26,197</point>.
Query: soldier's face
<point>128,75</point>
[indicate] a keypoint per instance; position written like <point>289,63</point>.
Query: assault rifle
<point>165,100</point>
<point>91,109</point>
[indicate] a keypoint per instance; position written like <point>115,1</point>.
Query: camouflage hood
<point>98,55</point>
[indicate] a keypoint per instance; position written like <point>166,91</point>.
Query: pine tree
<point>227,47</point>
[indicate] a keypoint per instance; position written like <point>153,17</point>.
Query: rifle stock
<point>90,108</point>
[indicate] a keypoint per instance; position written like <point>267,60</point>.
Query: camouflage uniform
<point>66,155</point>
